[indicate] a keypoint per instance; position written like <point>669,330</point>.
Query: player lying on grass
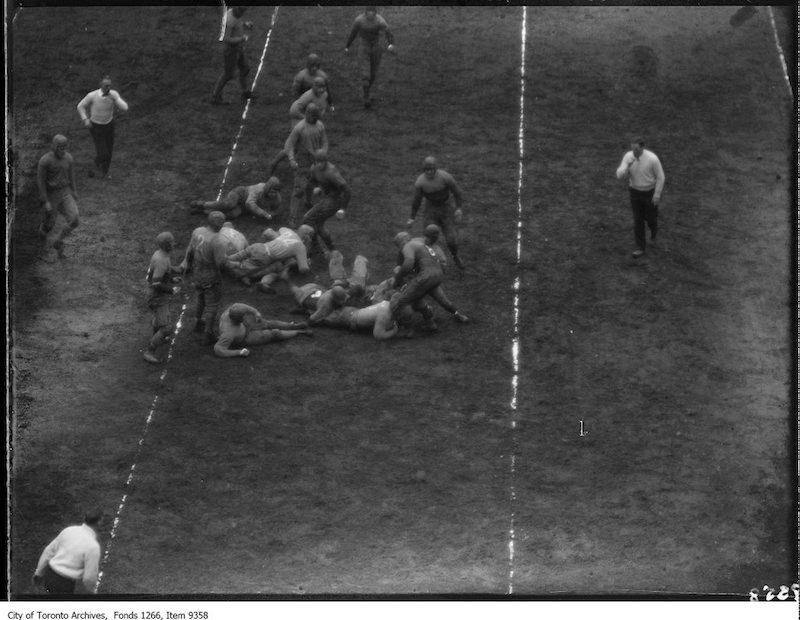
<point>318,301</point>
<point>263,200</point>
<point>377,317</point>
<point>242,325</point>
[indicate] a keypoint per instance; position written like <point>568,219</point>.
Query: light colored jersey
<point>74,554</point>
<point>99,108</point>
<point>259,199</point>
<point>288,244</point>
<point>644,173</point>
<point>230,334</point>
<point>234,240</point>
<point>377,317</point>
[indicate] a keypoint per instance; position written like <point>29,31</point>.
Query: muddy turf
<point>340,465</point>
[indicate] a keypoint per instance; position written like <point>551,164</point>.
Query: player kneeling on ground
<point>241,324</point>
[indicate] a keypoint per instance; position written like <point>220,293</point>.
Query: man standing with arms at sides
<point>161,280</point>
<point>646,178</point>
<point>305,139</point>
<point>335,196</point>
<point>368,27</point>
<point>435,186</point>
<point>204,257</point>
<point>72,558</point>
<point>55,179</point>
<point>97,113</point>
<point>305,79</point>
<point>234,38</point>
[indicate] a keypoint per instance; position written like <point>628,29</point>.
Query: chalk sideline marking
<point>178,325</point>
<point>515,341</point>
<point>780,53</point>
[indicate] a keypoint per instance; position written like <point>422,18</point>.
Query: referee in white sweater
<point>645,182</point>
<point>72,558</point>
<point>97,113</point>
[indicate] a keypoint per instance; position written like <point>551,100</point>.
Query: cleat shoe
<point>301,325</point>
<point>637,253</point>
<point>461,318</point>
<point>149,357</point>
<point>59,248</point>
<point>266,288</point>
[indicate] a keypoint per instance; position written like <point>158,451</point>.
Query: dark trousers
<point>644,211</point>
<point>103,136</point>
<point>318,214</point>
<point>56,584</point>
<point>209,297</point>
<point>233,59</point>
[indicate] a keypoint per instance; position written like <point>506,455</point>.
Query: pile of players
<point>217,249</point>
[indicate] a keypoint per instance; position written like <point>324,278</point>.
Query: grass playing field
<point>641,442</point>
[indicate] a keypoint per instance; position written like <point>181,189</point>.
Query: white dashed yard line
<point>178,325</point>
<point>515,348</point>
<point>780,53</point>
